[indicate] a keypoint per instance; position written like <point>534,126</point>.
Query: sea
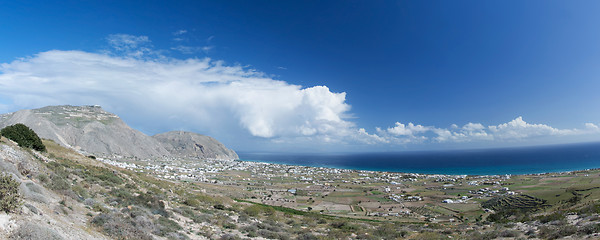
<point>521,160</point>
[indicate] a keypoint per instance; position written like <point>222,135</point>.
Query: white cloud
<point>191,50</point>
<point>407,130</point>
<point>129,45</point>
<point>514,130</point>
<point>592,127</point>
<point>180,32</point>
<point>402,134</point>
<point>202,93</point>
<point>371,138</point>
<point>127,42</point>
<point>518,129</point>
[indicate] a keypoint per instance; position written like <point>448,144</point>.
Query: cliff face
<point>93,130</point>
<point>187,144</point>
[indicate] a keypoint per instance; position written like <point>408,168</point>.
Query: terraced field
<point>524,202</point>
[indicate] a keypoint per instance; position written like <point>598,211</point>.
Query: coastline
<point>423,173</point>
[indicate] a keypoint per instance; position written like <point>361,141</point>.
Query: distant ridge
<point>93,130</point>
<point>187,144</point>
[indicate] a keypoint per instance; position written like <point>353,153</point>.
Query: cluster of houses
<point>405,198</point>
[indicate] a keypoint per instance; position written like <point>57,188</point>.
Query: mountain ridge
<point>93,130</point>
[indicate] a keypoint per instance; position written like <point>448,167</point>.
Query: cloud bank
<point>512,131</point>
<point>206,94</point>
<point>263,106</point>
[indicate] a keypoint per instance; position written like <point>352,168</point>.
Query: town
<point>407,197</point>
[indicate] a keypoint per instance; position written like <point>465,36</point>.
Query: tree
<point>23,136</point>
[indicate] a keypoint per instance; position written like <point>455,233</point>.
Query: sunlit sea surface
<point>524,160</point>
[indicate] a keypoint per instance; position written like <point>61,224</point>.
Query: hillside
<point>70,196</point>
<point>190,145</point>
<point>95,131</point>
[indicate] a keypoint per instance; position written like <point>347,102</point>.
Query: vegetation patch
<point>23,136</point>
<point>10,199</point>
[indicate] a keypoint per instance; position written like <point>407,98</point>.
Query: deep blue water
<point>524,160</point>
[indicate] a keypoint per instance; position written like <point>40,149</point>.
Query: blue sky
<point>313,76</point>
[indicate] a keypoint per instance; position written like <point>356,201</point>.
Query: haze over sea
<point>522,160</point>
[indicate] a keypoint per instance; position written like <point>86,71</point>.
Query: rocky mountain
<point>187,144</point>
<point>93,130</point>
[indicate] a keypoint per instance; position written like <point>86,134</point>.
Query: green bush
<point>10,199</point>
<point>24,136</point>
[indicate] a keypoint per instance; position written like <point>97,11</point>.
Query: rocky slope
<point>67,195</point>
<point>44,213</point>
<point>187,144</point>
<point>93,130</point>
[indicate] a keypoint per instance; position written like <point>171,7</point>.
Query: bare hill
<point>93,130</point>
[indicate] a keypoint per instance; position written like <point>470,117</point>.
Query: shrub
<point>10,199</point>
<point>555,216</point>
<point>345,226</point>
<point>219,206</point>
<point>153,202</point>
<point>307,236</point>
<point>557,232</point>
<point>250,229</point>
<point>59,183</point>
<point>191,202</point>
<point>271,235</point>
<point>166,226</point>
<point>43,178</point>
<point>253,210</point>
<point>23,136</point>
<point>509,233</point>
<point>30,230</point>
<point>229,225</point>
<point>176,236</point>
<point>81,192</point>
<point>589,209</point>
<point>589,229</point>
<point>120,227</point>
<point>431,236</point>
<point>388,231</point>
<point>229,237</point>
